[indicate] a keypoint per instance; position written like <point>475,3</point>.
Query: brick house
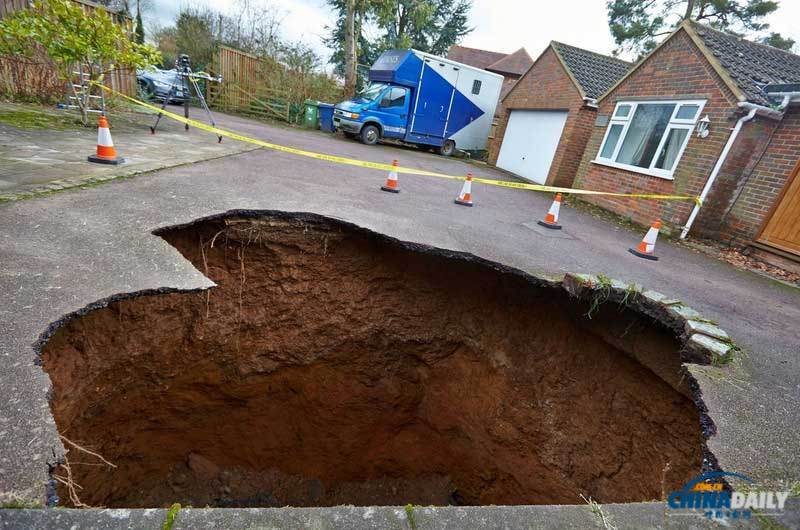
<point>545,120</point>
<point>705,114</point>
<point>511,65</point>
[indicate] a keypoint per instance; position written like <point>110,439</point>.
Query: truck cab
<point>379,111</point>
<point>422,99</point>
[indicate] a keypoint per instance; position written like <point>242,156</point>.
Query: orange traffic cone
<point>465,198</point>
<point>392,185</point>
<point>647,246</point>
<point>106,154</point>
<point>551,219</point>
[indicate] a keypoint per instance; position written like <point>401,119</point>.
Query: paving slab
<point>62,252</point>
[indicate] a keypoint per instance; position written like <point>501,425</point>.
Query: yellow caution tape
<point>387,167</point>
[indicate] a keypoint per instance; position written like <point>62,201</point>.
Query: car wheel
<point>370,135</point>
<point>447,148</point>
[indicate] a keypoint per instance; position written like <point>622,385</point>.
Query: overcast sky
<point>500,25</point>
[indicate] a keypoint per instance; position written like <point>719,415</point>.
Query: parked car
<point>425,100</point>
<point>155,84</point>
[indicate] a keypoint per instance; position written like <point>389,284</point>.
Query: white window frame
<point>674,123</point>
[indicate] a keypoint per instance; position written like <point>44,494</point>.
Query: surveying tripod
<point>188,80</point>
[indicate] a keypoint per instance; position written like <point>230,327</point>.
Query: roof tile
<point>594,72</point>
<point>750,65</point>
<point>474,56</point>
<point>516,63</point>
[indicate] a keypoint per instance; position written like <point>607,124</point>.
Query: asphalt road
<point>63,252</point>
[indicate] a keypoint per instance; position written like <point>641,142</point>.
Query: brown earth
<point>335,366</point>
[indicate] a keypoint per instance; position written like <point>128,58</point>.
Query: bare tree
<point>350,50</point>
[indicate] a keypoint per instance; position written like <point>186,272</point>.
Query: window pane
<point>644,134</point>
<point>476,87</point>
<point>611,141</point>
<point>687,112</point>
<point>622,111</point>
<point>398,97</point>
<point>669,153</point>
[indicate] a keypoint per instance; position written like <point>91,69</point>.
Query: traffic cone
<point>551,219</point>
<point>392,186</point>
<point>465,198</point>
<point>647,246</point>
<point>106,154</point>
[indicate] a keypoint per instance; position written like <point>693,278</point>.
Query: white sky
<point>500,25</point>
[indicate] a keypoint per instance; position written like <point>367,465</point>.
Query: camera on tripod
<point>187,80</point>
<point>182,62</point>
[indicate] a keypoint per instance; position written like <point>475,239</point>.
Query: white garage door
<point>530,142</point>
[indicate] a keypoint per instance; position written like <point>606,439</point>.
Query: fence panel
<point>265,87</point>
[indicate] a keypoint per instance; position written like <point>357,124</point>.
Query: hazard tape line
<point>387,167</point>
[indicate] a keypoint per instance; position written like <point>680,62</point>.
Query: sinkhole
<point>333,365</point>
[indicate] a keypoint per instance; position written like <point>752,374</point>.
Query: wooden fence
<point>244,88</point>
<point>37,77</point>
<point>262,86</point>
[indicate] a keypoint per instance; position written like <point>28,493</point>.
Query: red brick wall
<point>677,70</point>
<point>761,178</point>
<point>546,86</point>
<point>742,158</point>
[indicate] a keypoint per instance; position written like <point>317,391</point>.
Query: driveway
<point>65,251</point>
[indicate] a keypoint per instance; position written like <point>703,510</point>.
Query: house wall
<point>768,153</point>
<point>744,155</point>
<point>546,86</point>
<point>676,71</point>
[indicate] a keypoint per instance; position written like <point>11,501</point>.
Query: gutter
<point>753,109</point>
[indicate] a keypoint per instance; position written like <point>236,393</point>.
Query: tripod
<point>187,80</point>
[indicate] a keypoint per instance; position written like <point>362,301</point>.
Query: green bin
<point>311,114</point>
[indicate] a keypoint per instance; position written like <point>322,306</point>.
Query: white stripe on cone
<point>466,188</point>
<point>104,137</point>
<point>554,209</point>
<point>650,240</point>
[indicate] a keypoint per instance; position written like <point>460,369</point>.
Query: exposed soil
<point>335,366</point>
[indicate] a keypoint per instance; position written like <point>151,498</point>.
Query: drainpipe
<point>753,110</point>
<point>720,161</point>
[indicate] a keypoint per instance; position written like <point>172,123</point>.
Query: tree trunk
<point>689,9</point>
<point>350,59</point>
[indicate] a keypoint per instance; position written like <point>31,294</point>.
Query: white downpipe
<point>754,109</point>
<point>720,161</point>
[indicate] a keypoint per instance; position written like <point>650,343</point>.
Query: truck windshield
<point>372,92</point>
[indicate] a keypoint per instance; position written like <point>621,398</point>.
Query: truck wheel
<point>370,135</point>
<point>447,148</point>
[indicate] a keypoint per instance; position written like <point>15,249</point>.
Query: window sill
<point>632,169</point>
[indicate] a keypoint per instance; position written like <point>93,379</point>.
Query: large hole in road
<point>332,365</point>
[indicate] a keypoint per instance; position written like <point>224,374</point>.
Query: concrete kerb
<point>572,517</point>
<point>703,341</point>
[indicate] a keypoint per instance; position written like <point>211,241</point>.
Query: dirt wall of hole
<point>334,366</point>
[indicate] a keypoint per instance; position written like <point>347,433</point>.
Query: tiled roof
<point>750,65</point>
<point>473,56</point>
<point>516,63</point>
<point>594,72</point>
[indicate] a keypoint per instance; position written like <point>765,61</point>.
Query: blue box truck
<point>425,100</point>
